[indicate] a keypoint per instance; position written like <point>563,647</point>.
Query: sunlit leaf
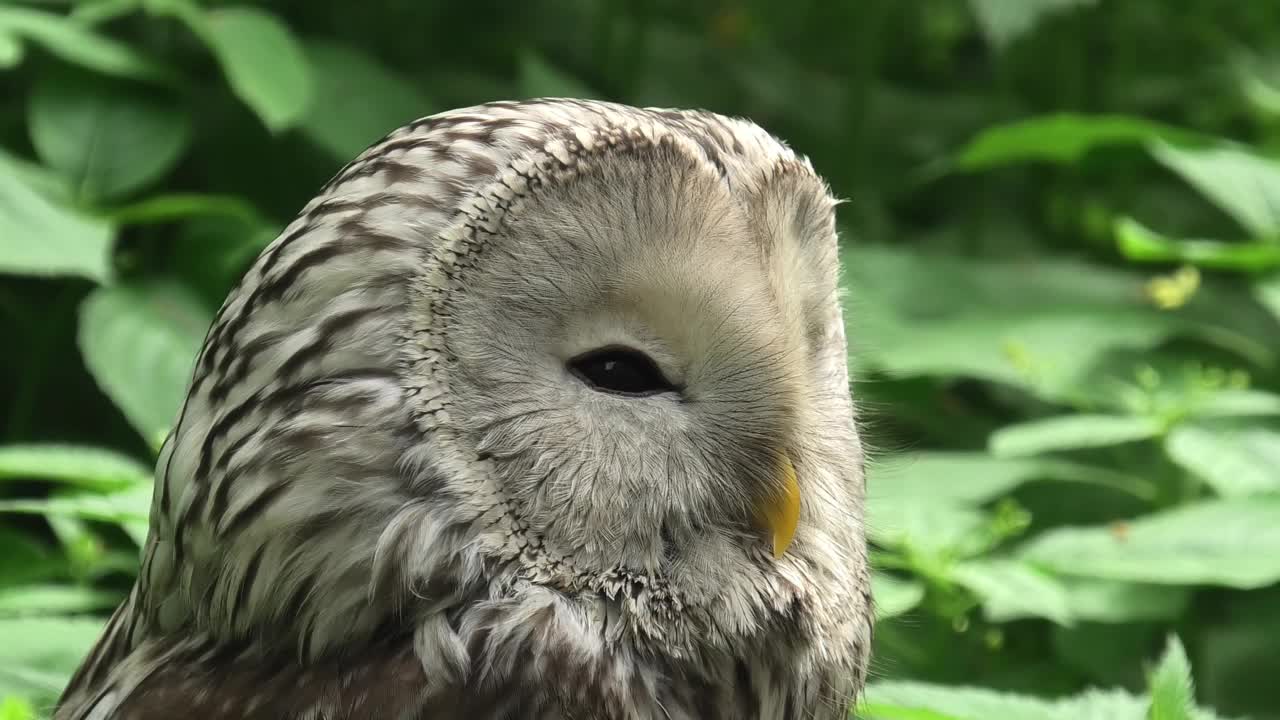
<point>106,138</point>
<point>41,600</point>
<point>39,654</point>
<point>1244,184</point>
<point>1010,590</point>
<point>1234,458</point>
<point>39,236</point>
<point>1140,243</point>
<point>894,596</point>
<point>140,344</point>
<point>1171,694</point>
<point>1233,542</point>
<point>128,509</point>
<point>88,467</point>
<point>181,206</point>
<point>1108,601</point>
<point>263,61</point>
<point>1061,138</point>
<point>1003,21</point>
<point>80,45</point>
<point>1038,325</point>
<point>14,707</point>
<point>357,99</point>
<point>1071,432</point>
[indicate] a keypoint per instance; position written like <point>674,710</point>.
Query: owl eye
<point>621,371</point>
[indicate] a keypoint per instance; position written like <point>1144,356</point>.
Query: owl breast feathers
<point>538,410</point>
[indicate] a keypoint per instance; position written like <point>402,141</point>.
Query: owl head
<point>548,354</point>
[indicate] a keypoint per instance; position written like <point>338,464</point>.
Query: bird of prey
<point>538,410</point>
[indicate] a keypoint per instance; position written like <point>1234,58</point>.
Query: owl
<point>538,410</point>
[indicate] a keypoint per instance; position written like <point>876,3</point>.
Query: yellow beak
<point>781,513</point>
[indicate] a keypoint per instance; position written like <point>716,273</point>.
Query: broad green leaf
<point>538,78</point>
<point>1140,243</point>
<point>1071,432</point>
<point>80,45</point>
<point>1108,601</point>
<point>140,343</point>
<point>1267,291</point>
<point>1171,694</point>
<point>39,654</point>
<point>26,560</point>
<point>890,700</point>
<point>11,51</point>
<point>39,236</point>
<point>39,600</point>
<point>127,508</point>
<point>1234,458</point>
<point>1011,590</point>
<point>1234,542</point>
<point>1236,403</point>
<point>181,206</point>
<point>1061,138</point>
<point>264,63</point>
<point>1040,326</point>
<point>1002,21</point>
<point>972,478</point>
<point>106,138</point>
<point>357,100</point>
<point>13,707</point>
<point>926,528</point>
<point>88,467</point>
<point>1244,184</point>
<point>894,596</point>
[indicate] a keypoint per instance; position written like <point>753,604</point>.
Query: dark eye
<point>621,371</point>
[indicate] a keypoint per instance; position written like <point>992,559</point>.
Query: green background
<point>1059,246</point>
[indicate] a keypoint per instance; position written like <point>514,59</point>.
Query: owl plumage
<point>398,489</point>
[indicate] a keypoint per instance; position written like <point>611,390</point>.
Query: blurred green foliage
<point>1060,250</point>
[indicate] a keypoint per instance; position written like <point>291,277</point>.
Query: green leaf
<point>1002,20</point>
<point>1267,291</point>
<point>1011,590</point>
<point>1071,432</point>
<point>38,600</point>
<point>1244,184</point>
<point>1171,694</point>
<point>1039,326</point>
<point>1234,458</point>
<point>107,139</point>
<point>972,478</point>
<point>1139,243</point>
<point>925,528</point>
<point>88,467</point>
<point>181,206</point>
<point>894,700</point>
<point>129,509</point>
<point>1234,542</point>
<point>1236,403</point>
<point>26,560</point>
<point>17,708</point>
<point>1108,601</point>
<point>39,236</point>
<point>11,51</point>
<point>357,100</point>
<point>39,655</point>
<point>263,61</point>
<point>1062,138</point>
<point>81,45</point>
<point>540,79</point>
<point>140,343</point>
<point>894,596</point>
